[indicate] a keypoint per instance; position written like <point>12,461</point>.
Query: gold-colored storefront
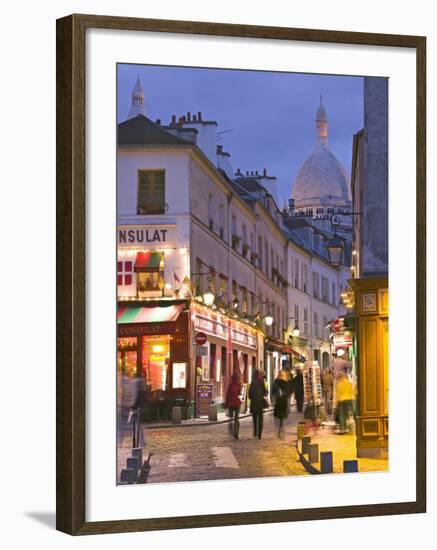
<point>371,302</point>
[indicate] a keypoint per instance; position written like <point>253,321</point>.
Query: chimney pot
<point>199,115</point>
<point>188,116</point>
<point>158,121</point>
<point>173,119</point>
<point>194,118</point>
<point>265,172</point>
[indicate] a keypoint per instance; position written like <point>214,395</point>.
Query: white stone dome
<point>321,181</point>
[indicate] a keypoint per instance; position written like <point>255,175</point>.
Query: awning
<point>288,349</point>
<point>149,314</point>
<point>147,261</point>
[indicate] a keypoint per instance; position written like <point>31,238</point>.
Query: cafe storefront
<point>231,345</point>
<point>152,345</point>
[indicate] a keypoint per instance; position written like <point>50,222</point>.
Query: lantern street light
<point>207,297</point>
<point>296,331</point>
<point>268,319</point>
<point>336,245</point>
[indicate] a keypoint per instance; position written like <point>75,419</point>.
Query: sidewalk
<point>222,418</point>
<point>343,447</point>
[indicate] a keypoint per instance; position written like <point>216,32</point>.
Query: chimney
<point>199,116</point>
<point>194,118</point>
<point>189,116</point>
<point>265,172</point>
<point>181,121</point>
<point>219,149</point>
<point>173,120</point>
<point>238,172</point>
<point>158,121</point>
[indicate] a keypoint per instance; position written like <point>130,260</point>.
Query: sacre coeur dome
<point>322,180</point>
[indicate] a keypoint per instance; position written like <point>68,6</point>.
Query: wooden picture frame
<point>71,253</point>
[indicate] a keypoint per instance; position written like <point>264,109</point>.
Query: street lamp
<point>268,319</point>
<point>296,331</point>
<point>207,297</point>
<point>335,251</point>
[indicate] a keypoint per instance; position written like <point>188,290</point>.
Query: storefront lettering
<point>143,329</point>
<point>131,236</point>
<point>216,328</point>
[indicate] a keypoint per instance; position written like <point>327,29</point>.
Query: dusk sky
<point>271,114</point>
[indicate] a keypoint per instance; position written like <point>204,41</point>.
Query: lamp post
<point>336,245</point>
<point>207,297</point>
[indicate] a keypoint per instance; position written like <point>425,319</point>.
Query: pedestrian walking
<point>298,390</point>
<point>281,397</point>
<point>258,402</point>
<point>233,404</point>
<point>327,389</point>
<point>344,393</point>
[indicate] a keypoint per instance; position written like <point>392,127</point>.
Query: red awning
<point>289,349</point>
<point>160,314</point>
<point>147,261</point>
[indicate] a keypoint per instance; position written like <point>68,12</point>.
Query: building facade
<point>190,228</point>
<point>370,269</point>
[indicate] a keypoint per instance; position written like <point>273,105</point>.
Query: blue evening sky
<point>271,114</point>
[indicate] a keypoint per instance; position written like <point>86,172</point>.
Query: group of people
<point>285,385</point>
<point>283,388</point>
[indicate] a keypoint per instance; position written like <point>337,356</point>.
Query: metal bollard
<point>138,453</point>
<point>212,413</point>
<point>300,430</point>
<point>306,441</point>
<point>132,463</point>
<point>350,466</point>
<point>128,475</point>
<point>326,462</point>
<point>176,415</point>
<point>313,453</point>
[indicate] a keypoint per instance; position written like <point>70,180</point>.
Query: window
<point>272,261</point>
<point>266,248</point>
<point>244,232</point>
<point>325,330</point>
<point>305,321</point>
<point>325,289</point>
<point>260,252</point>
<point>316,285</point>
<point>124,273</point>
<point>296,314</point>
<point>315,324</point>
<point>211,211</point>
<point>223,284</point>
<point>305,282</point>
<point>296,273</point>
<point>151,192</point>
<point>334,294</point>
<point>234,224</point>
<point>221,221</point>
<point>244,299</point>
<point>234,290</point>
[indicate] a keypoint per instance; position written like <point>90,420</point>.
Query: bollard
<point>128,475</point>
<point>132,463</point>
<point>306,441</point>
<point>176,415</point>
<point>138,453</point>
<point>313,453</point>
<point>326,462</point>
<point>212,413</point>
<point>300,430</point>
<point>350,466</point>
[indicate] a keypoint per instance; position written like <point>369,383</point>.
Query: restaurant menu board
<point>312,383</point>
<point>203,399</point>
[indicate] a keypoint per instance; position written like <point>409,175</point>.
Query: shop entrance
<point>155,362</point>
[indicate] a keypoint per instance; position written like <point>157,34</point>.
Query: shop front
<point>230,346</point>
<point>152,346</point>
<point>274,350</point>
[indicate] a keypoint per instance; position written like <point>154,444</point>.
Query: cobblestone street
<point>209,452</point>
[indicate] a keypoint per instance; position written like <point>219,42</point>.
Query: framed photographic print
<point>240,274</point>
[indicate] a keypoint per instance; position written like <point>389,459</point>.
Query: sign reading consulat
<point>146,235</point>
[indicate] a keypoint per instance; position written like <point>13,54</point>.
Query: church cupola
<point>137,106</point>
<point>321,124</point>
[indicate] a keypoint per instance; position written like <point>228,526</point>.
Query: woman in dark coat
<point>233,402</point>
<point>298,390</point>
<point>281,396</point>
<point>257,396</point>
